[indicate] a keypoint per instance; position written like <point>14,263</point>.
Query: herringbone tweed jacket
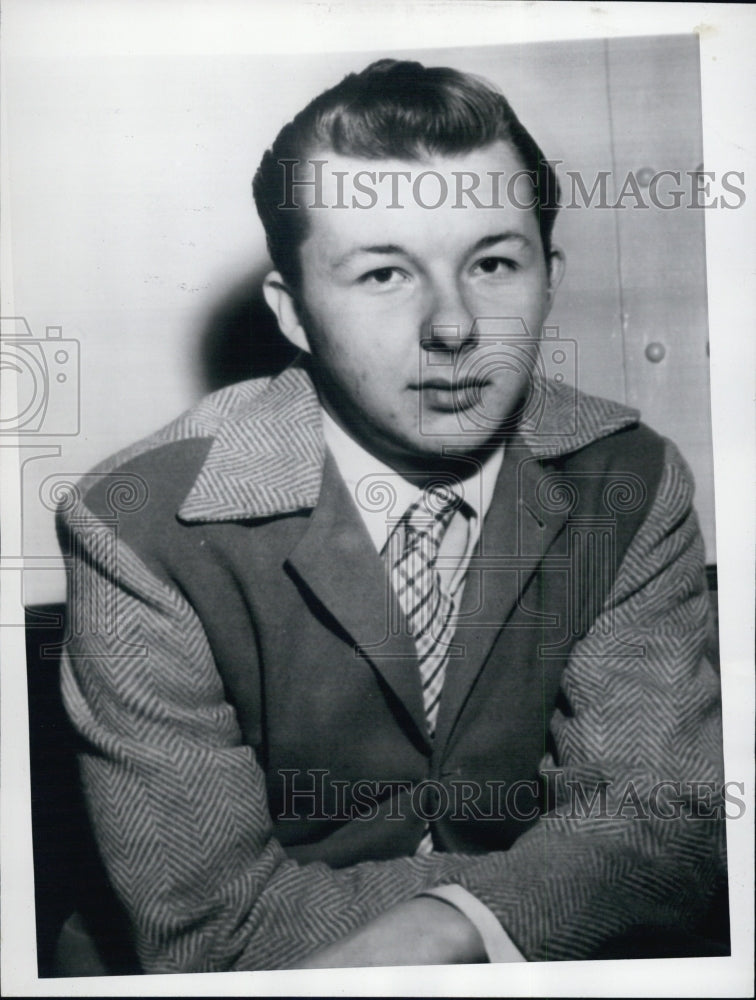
<point>229,647</point>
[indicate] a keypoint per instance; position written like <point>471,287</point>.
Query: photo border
<point>727,33</point>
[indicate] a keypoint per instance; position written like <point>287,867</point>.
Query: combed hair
<point>394,110</point>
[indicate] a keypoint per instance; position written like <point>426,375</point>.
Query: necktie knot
<point>429,516</point>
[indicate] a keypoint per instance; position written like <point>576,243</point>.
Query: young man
<point>405,655</point>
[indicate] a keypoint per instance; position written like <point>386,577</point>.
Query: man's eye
<point>497,265</point>
<point>383,276</point>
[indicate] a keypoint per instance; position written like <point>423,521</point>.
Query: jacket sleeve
<point>177,801</point>
<point>179,805</point>
<point>633,836</point>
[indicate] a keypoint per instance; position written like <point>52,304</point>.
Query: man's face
<point>389,299</point>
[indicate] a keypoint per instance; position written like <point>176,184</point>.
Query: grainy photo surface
<point>366,474</point>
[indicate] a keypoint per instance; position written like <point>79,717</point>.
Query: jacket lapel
<point>337,562</point>
<point>515,536</point>
<point>266,458</point>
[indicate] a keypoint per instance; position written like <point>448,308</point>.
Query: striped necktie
<point>415,579</point>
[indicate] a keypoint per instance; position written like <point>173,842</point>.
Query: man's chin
<point>469,428</point>
<point>442,453</point>
<point>469,434</point>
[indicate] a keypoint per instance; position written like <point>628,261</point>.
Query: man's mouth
<point>451,396</point>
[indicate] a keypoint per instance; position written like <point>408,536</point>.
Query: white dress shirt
<point>361,472</point>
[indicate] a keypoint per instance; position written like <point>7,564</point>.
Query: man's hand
<point>422,931</point>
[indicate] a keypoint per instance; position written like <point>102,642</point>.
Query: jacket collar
<point>267,453</point>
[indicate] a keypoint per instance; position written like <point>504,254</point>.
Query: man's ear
<point>556,265</point>
<point>279,297</point>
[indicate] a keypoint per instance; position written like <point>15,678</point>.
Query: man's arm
<point>642,732</point>
<point>179,803</point>
<point>432,929</point>
<point>180,808</point>
<point>421,931</point>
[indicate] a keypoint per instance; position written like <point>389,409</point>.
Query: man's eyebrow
<point>509,236</point>
<point>384,248</point>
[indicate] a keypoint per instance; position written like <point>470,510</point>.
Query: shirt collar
<point>266,443</point>
<point>382,495</point>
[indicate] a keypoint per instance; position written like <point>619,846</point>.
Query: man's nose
<point>449,322</point>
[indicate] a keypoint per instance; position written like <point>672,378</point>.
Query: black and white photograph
<point>377,530</point>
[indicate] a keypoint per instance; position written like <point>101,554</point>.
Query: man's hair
<point>394,110</point>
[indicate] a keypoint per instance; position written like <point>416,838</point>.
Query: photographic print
<point>357,408</point>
